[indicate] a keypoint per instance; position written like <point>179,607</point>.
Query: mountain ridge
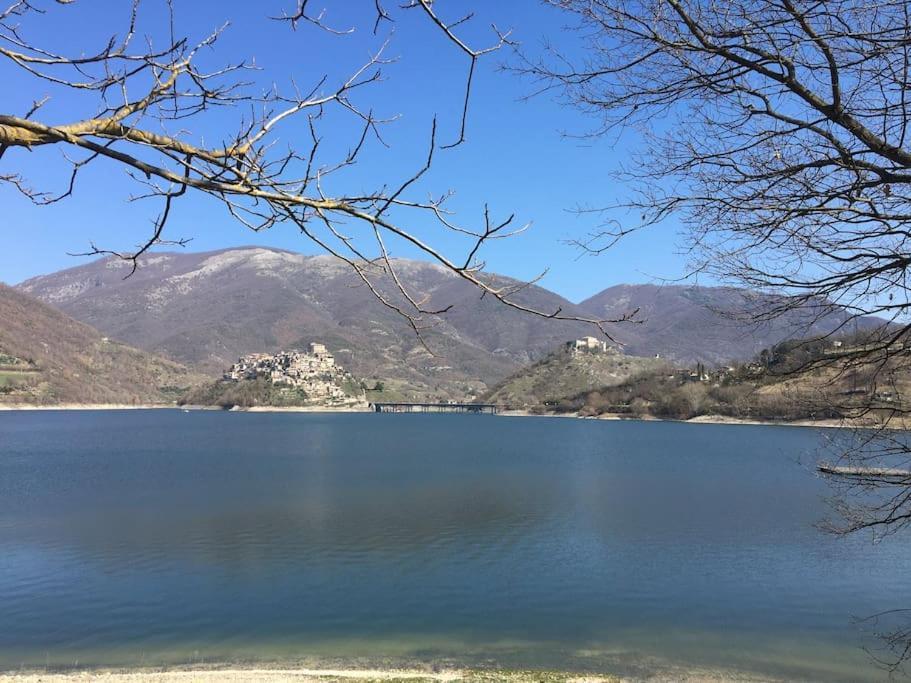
<point>208,309</point>
<point>205,309</point>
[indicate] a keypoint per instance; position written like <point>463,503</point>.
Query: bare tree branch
<point>147,98</point>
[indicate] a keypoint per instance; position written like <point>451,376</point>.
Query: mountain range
<point>206,309</point>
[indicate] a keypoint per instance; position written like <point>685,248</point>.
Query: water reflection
<point>534,541</point>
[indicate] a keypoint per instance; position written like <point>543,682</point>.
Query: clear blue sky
<point>516,157</point>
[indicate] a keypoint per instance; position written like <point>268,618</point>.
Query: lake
<point>154,537</point>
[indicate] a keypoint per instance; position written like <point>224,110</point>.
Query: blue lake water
<point>147,537</point>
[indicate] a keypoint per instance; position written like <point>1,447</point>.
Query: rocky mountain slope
<point>47,357</point>
<point>207,309</point>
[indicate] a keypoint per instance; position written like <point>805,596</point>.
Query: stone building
<point>588,345</point>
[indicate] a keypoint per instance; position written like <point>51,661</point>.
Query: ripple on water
<point>528,542</point>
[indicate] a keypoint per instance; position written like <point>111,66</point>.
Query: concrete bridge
<point>488,408</point>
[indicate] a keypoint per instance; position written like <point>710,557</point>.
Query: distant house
<point>754,369</point>
<point>587,344</point>
<point>887,396</point>
<point>700,374</point>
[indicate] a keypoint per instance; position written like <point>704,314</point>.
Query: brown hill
<point>563,375</point>
<point>47,357</point>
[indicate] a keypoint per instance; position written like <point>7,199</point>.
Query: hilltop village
<point>289,379</point>
<point>315,373</point>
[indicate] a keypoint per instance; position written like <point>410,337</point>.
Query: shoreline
<point>615,417</point>
<point>233,673</point>
<point>699,419</point>
<point>19,407</point>
<point>299,409</point>
<point>300,674</point>
<point>11,407</point>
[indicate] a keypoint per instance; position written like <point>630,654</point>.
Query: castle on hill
<point>588,345</point>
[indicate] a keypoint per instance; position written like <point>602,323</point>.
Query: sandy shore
<point>270,675</point>
<point>302,675</point>
<point>725,420</point>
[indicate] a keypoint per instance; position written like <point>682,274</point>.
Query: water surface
<point>146,537</point>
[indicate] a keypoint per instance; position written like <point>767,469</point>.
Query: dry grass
<point>60,360</point>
